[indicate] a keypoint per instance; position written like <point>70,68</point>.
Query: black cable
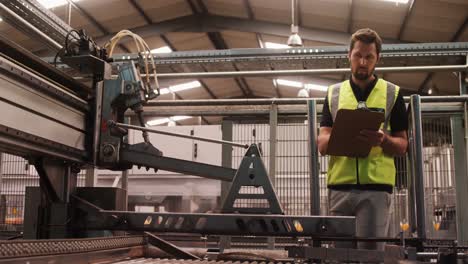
<point>56,56</point>
<point>68,35</point>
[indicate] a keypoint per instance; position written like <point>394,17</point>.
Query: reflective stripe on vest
<point>377,168</point>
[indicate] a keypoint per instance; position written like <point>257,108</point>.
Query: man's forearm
<point>322,139</point>
<point>394,146</point>
<point>323,143</point>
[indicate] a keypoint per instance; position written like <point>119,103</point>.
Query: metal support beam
<point>272,155</point>
<point>350,16</point>
<point>275,85</point>
<point>298,13</point>
<point>252,173</point>
<point>314,158</point>
<point>127,126</point>
<point>231,74</point>
<point>214,23</point>
<point>454,39</point>
<point>93,21</point>
<point>241,86</point>
<point>424,84</point>
<point>463,82</point>
<point>459,138</point>
<point>273,142</point>
<point>15,18</point>
<point>217,40</point>
<point>217,224</point>
<point>141,155</point>
<point>203,84</point>
<point>148,21</point>
<point>226,154</point>
<point>68,17</point>
<point>140,11</point>
<point>460,30</point>
<point>226,161</point>
<point>417,165</point>
<point>286,101</point>
<point>91,177</point>
<point>460,143</point>
<point>1,185</point>
<point>248,9</point>
<point>219,43</point>
<point>405,19</point>
<point>26,58</point>
<point>124,185</point>
<point>180,98</point>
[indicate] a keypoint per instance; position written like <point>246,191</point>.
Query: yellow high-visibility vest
<point>378,167</point>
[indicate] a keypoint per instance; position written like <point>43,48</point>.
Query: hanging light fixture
<point>294,40</point>
<point>303,93</point>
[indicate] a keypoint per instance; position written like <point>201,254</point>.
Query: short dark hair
<point>367,36</point>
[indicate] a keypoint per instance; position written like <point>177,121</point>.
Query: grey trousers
<point>372,212</point>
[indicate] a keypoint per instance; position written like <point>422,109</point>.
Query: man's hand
<point>323,138</point>
<point>373,138</point>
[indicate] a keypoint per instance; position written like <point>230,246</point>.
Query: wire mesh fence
<point>439,178</point>
<point>292,181</point>
<point>291,177</point>
<point>15,175</point>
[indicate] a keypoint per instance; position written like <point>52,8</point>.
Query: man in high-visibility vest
<point>362,187</point>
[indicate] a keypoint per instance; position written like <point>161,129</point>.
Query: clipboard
<point>347,126</point>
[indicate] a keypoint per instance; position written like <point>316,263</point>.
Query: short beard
<point>362,76</point>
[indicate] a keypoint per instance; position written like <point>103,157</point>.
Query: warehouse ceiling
<point>185,25</point>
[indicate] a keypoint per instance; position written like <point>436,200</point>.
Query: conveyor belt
<point>35,248</point>
<point>181,261</point>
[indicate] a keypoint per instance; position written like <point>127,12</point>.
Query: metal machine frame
<point>82,129</point>
<point>107,148</point>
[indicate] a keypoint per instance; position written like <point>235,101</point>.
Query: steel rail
<point>309,72</point>
<point>224,142</point>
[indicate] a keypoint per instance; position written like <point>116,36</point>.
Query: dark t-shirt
<point>398,118</point>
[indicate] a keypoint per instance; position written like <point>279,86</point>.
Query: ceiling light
<point>185,86</point>
<point>303,93</point>
<point>272,45</point>
<point>307,86</point>
<point>294,40</point>
<point>180,87</point>
<point>54,3</point>
<point>156,122</point>
<point>311,86</point>
<point>178,118</point>
<point>397,1</point>
<point>161,121</point>
<point>164,49</point>
<point>290,83</point>
<point>171,123</point>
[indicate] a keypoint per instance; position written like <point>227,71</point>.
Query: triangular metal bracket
<point>252,173</point>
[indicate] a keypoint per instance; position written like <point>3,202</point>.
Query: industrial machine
<point>63,126</point>
<point>66,126</point>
